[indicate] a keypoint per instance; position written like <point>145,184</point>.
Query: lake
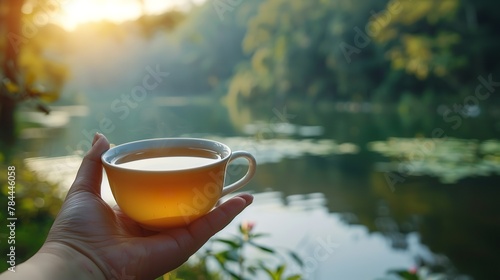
<point>384,188</point>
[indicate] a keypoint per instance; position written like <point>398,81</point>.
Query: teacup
<point>169,182</point>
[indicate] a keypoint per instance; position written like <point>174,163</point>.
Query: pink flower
<point>413,270</point>
<point>247,226</point>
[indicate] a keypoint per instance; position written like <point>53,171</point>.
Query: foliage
<point>366,50</point>
<point>421,274</point>
<point>426,271</point>
<point>31,66</point>
<point>234,262</point>
<point>37,50</point>
<point>295,50</point>
<point>37,204</point>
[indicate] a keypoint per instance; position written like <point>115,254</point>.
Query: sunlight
<point>77,12</point>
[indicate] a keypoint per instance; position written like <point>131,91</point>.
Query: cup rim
<point>139,145</point>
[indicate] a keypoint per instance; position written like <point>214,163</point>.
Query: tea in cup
<point>169,182</point>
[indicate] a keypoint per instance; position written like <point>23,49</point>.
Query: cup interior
<point>162,147</point>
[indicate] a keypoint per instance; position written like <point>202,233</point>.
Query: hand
<point>119,247</point>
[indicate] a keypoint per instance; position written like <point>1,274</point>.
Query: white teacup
<point>169,182</point>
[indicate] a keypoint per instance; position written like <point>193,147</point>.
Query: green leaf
<point>296,258</point>
<point>275,275</point>
<point>267,270</point>
<point>294,277</point>
<point>229,242</point>
<point>279,271</point>
<point>224,256</point>
<point>235,276</point>
<point>252,270</point>
<point>257,235</point>
<point>263,248</point>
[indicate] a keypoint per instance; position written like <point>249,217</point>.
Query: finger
<point>205,227</point>
<point>183,242</point>
<point>89,175</point>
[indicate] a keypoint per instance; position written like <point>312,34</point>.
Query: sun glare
<point>76,12</point>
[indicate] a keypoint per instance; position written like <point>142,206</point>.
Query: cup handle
<point>252,164</point>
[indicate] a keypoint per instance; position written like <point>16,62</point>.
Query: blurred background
<point>375,123</point>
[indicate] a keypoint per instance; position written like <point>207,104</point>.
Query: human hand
<point>119,247</point>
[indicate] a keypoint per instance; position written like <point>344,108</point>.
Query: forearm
<point>54,262</point>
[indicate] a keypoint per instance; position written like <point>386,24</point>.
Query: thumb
<point>89,175</point>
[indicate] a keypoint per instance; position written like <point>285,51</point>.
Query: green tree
<point>27,43</point>
<point>296,49</point>
<point>367,50</point>
<point>439,47</point>
<point>10,13</point>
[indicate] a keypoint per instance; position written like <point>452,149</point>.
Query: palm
<point>118,245</point>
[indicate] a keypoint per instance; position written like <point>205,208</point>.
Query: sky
<point>75,12</point>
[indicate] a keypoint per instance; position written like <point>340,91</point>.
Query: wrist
<point>57,261</point>
<point>71,262</point>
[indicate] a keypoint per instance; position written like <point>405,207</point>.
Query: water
<point>382,185</point>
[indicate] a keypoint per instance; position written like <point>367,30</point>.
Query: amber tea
<point>167,159</point>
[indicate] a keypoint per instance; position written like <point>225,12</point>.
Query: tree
<point>306,49</point>
<point>32,65</point>
<point>367,50</point>
<point>442,46</point>
<point>24,65</point>
<point>10,19</point>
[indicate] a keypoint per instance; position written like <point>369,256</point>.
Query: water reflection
<point>288,129</point>
<point>307,202</point>
<point>302,222</point>
<point>449,159</point>
<point>60,171</point>
<point>275,150</point>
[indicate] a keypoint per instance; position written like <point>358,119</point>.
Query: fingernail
<point>96,137</point>
<point>248,199</point>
